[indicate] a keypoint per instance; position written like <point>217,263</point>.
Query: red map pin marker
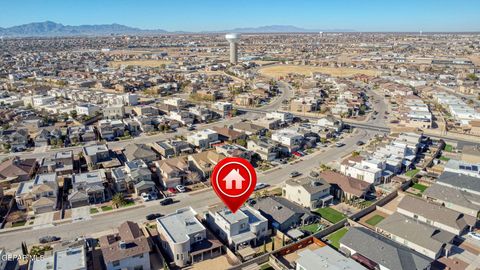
<point>233,179</point>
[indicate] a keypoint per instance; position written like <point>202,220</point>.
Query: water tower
<point>233,40</point>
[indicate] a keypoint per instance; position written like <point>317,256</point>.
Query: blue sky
<point>200,15</point>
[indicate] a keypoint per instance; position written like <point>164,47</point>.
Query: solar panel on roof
<point>462,167</point>
<point>475,168</point>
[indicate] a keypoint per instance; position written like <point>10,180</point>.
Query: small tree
<point>118,200</point>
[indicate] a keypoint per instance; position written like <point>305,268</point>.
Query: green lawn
<point>336,237</point>
<point>106,208</point>
<point>93,210</point>
<point>449,148</point>
<point>444,158</point>
<point>18,223</point>
<point>312,228</point>
<point>412,173</point>
<point>128,203</point>
<point>420,187</point>
<point>374,220</point>
<point>330,214</point>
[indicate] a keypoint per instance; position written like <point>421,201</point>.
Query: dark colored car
<point>166,201</point>
<point>48,239</point>
<point>360,143</point>
<point>153,216</point>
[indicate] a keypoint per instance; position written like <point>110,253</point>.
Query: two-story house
<point>308,192</point>
<point>246,227</point>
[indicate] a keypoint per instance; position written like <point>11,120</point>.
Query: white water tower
<point>233,39</point>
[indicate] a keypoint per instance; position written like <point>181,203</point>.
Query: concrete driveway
<point>81,213</point>
<point>43,219</point>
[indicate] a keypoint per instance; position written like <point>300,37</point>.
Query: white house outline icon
<point>234,176</point>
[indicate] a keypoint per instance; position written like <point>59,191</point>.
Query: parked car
<point>314,174</point>
<point>297,154</point>
<point>172,190</point>
<point>359,143</point>
<point>339,144</point>
<point>166,201</point>
<point>180,188</point>
<point>146,197</point>
<point>260,186</point>
<point>153,216</point>
<point>48,239</point>
<point>295,174</point>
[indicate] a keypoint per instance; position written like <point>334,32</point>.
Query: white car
<point>474,235</point>
<point>260,186</point>
<point>180,188</point>
<point>146,197</point>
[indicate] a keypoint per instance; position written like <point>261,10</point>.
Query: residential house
<point>331,123</point>
<point>204,162</point>
<point>228,134</point>
<point>344,187</point>
<point>182,117</point>
<point>114,112</point>
<point>61,163</point>
<point>98,153</point>
<point>16,139</point>
<point>172,148</point>
<point>203,138</point>
<point>88,109</point>
<point>16,169</point>
<point>172,172</point>
<point>460,181</point>
<point>369,170</point>
<point>285,117</point>
<point>246,227</point>
<point>38,195</point>
<point>357,243</point>
<point>137,151</point>
<point>249,128</point>
<point>185,240</point>
<point>453,198</point>
<point>436,215</point>
<point>134,176</point>
<point>283,214</point>
<point>111,129</point>
<point>325,256</point>
<point>267,150</point>
<point>421,237</point>
<point>87,188</point>
<point>73,258</point>
<point>128,249</point>
<point>289,138</point>
<point>308,192</point>
<point>223,108</point>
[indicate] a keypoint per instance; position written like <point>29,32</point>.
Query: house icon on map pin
<point>234,176</point>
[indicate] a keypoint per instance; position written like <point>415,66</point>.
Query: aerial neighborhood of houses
<point>370,161</point>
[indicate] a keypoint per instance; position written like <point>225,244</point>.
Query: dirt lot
<point>279,71</point>
<point>143,63</point>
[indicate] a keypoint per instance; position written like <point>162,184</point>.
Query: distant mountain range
<point>50,29</point>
